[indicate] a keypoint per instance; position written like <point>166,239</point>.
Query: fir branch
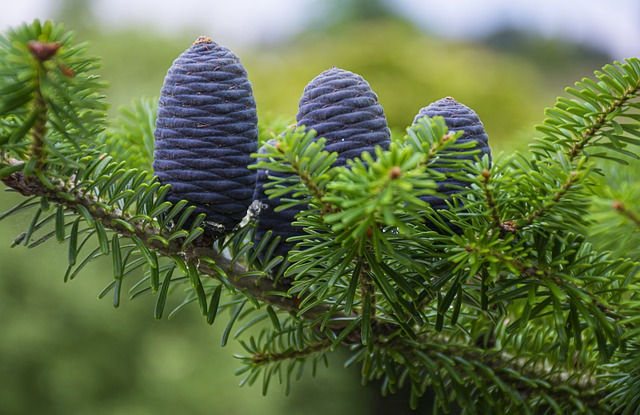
<point>74,198</point>
<point>268,357</point>
<point>209,261</point>
<point>306,178</point>
<point>430,137</point>
<point>634,217</point>
<point>439,144</point>
<point>572,179</point>
<point>491,202</point>
<point>487,374</point>
<point>71,197</point>
<point>368,311</point>
<point>307,161</point>
<point>559,383</point>
<point>576,282</point>
<point>544,274</point>
<point>601,121</point>
<point>39,130</point>
<point>573,125</point>
<point>42,51</point>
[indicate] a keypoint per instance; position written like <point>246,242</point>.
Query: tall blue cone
<point>205,133</point>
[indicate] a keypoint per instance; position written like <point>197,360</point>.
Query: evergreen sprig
<point>505,302</point>
<point>50,93</point>
<point>601,116</point>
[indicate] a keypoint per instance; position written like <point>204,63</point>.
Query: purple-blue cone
<point>205,133</point>
<point>457,117</point>
<point>341,107</point>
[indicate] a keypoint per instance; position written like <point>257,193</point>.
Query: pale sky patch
<point>612,25</point>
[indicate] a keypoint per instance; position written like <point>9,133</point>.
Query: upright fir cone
<point>206,130</point>
<point>341,107</point>
<point>457,117</point>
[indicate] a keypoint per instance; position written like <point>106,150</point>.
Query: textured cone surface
<point>343,109</point>
<point>458,117</point>
<point>205,132</point>
<point>270,220</point>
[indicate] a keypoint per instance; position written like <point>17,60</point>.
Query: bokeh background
<point>63,351</point>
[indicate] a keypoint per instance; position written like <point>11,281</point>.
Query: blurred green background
<point>62,351</point>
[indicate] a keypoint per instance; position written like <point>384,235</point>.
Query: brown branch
<point>71,196</point>
<point>208,261</point>
<point>271,357</point>
<point>39,130</point>
<point>42,52</point>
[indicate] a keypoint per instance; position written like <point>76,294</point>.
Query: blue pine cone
<point>343,109</point>
<point>205,133</point>
<point>457,117</point>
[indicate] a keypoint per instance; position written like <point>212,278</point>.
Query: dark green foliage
<point>599,121</point>
<point>44,93</point>
<point>271,217</point>
<point>519,312</point>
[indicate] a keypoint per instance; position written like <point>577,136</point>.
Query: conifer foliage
<point>500,298</point>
